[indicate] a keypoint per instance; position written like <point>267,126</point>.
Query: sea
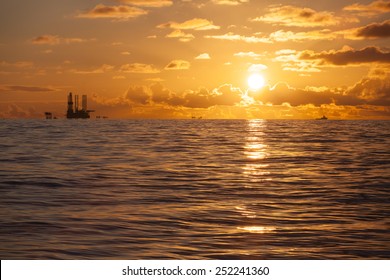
<point>194,189</point>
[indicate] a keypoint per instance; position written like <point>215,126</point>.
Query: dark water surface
<point>194,189</point>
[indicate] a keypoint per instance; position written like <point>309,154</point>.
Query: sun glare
<point>256,81</point>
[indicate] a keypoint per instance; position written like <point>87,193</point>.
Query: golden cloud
<point>285,52</point>
<point>257,68</point>
<point>148,3</point>
<point>362,93</point>
<point>203,56</point>
<point>235,37</point>
<point>113,12</point>
<point>194,24</point>
<point>225,95</point>
<point>284,36</point>
<point>248,54</point>
<point>100,70</point>
<point>178,65</point>
<point>303,17</point>
<point>182,36</point>
<point>374,8</point>
<point>139,68</point>
<point>230,2</point>
<point>291,62</point>
<point>282,93</point>
<point>369,98</point>
<point>301,66</point>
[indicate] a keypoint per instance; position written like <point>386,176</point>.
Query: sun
<point>256,81</point>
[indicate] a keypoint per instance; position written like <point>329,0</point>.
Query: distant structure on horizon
<point>48,115</point>
<point>75,113</point>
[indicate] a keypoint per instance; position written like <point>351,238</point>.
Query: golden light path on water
<point>255,170</point>
<point>257,229</point>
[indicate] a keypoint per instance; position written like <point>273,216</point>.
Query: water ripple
<point>194,189</point>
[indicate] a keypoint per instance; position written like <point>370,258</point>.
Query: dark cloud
<point>348,56</point>
<point>138,95</point>
<point>46,39</point>
<point>373,90</point>
<point>55,40</point>
<point>375,30</point>
<point>198,99</point>
<point>374,8</point>
<point>113,12</point>
<point>118,107</point>
<point>282,93</point>
<point>19,112</point>
<point>160,94</point>
<point>226,95</point>
<point>27,88</point>
<point>139,68</point>
<point>178,65</point>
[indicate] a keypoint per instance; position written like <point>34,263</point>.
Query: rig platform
<point>74,112</point>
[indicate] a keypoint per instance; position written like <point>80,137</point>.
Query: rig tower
<point>74,112</point>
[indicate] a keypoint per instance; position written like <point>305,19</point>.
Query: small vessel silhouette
<point>322,118</point>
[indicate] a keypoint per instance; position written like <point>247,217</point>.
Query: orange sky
<point>177,59</point>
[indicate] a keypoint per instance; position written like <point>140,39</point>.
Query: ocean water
<point>194,189</point>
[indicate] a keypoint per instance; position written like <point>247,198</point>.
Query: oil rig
<point>75,113</point>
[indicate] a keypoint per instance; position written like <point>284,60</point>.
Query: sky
<point>193,58</point>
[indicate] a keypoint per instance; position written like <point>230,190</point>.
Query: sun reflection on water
<point>257,229</point>
<point>245,212</point>
<point>255,151</point>
<point>256,171</point>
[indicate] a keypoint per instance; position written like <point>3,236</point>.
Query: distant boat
<point>322,118</point>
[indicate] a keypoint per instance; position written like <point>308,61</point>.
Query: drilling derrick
<point>76,113</point>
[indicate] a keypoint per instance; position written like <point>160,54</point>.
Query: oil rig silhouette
<point>76,113</point>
